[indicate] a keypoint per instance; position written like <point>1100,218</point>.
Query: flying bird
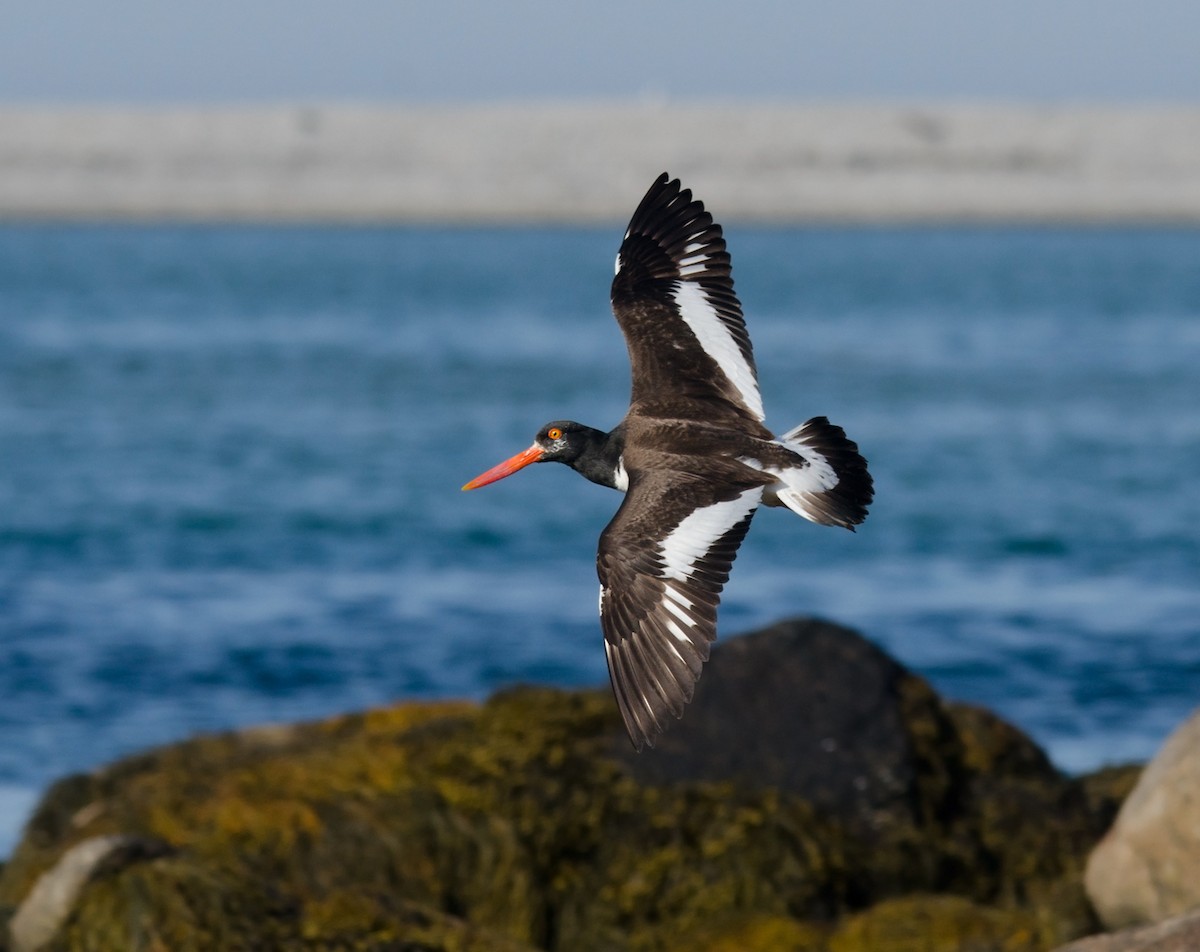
<point>692,456</point>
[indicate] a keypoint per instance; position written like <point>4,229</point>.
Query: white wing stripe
<point>699,314</point>
<point>691,540</point>
<point>678,597</point>
<point>670,605</point>
<point>679,633</point>
<point>691,262</point>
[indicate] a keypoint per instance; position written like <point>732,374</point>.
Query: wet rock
<point>1145,868</point>
<point>1179,934</point>
<point>53,896</point>
<point>938,924</point>
<point>993,747</point>
<point>814,709</point>
<point>524,824</point>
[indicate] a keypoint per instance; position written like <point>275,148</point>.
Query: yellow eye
<point>554,433</point>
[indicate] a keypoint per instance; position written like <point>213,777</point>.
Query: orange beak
<point>508,467</point>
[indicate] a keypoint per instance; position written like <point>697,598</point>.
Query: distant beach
<point>586,161</point>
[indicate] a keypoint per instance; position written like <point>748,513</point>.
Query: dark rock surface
<point>813,709</point>
<point>826,800</point>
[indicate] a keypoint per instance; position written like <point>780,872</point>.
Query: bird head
<point>560,441</point>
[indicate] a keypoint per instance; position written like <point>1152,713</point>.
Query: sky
<point>437,51</point>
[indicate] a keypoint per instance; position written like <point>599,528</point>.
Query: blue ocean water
<point>230,462</point>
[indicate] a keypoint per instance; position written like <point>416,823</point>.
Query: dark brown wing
<point>662,563</point>
<point>673,298</point>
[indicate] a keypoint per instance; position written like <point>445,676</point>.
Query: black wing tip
<point>665,183</point>
<point>647,687</point>
<point>669,226</point>
<point>639,739</point>
<point>667,200</point>
<point>647,737</point>
<point>650,695</point>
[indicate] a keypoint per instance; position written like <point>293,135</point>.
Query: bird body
<point>692,455</point>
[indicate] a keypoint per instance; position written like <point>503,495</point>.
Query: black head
<point>583,448</point>
<point>563,441</point>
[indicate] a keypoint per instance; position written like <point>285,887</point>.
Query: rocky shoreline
<point>582,162</point>
<point>817,796</point>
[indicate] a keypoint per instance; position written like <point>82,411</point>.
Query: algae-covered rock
<point>754,932</point>
<point>55,894</point>
<point>938,924</point>
<point>1107,788</point>
<point>524,823</point>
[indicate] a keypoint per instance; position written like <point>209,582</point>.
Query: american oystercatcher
<point>692,457</point>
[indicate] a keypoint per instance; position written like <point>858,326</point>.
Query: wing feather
<point>673,298</point>
<point>663,562</point>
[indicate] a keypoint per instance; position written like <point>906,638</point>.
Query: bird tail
<point>832,487</point>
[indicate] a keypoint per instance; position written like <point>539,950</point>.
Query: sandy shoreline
<point>588,162</point>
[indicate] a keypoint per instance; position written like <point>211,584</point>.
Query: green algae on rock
<point>521,824</point>
<point>938,924</point>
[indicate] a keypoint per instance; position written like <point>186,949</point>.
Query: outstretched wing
<point>673,298</point>
<point>662,563</point>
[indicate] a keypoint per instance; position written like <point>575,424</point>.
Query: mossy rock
<point>179,906</point>
<point>519,824</point>
<point>755,932</point>
<point>1107,788</point>
<point>938,924</point>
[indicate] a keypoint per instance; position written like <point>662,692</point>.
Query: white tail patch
<point>798,485</point>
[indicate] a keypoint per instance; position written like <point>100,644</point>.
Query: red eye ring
<point>554,433</point>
